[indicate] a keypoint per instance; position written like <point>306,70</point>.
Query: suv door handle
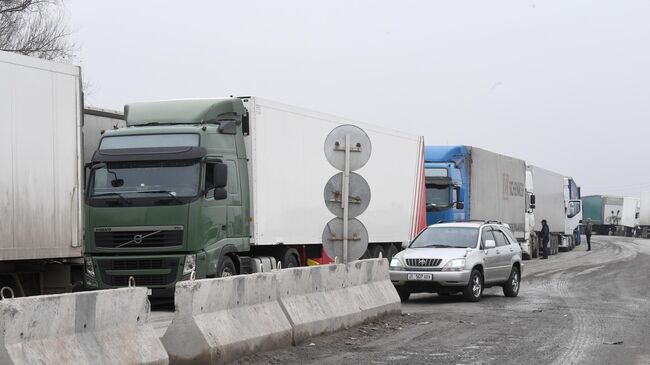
<point>498,252</point>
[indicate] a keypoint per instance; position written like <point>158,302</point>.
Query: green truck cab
<point>168,195</point>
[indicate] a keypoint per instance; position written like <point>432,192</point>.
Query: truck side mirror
<point>532,206</point>
<point>220,194</point>
<point>460,205</point>
<point>220,177</point>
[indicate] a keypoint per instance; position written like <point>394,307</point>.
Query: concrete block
<point>327,298</point>
<point>219,320</point>
<point>99,327</point>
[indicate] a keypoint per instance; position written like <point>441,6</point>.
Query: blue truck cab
<point>445,171</point>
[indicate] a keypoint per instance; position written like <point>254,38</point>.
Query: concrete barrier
<point>99,327</point>
<point>219,320</point>
<point>327,298</point>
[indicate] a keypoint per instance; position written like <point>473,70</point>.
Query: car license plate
<point>420,277</point>
<point>148,291</point>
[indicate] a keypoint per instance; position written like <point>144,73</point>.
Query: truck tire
<point>391,251</point>
<point>403,294</point>
<point>227,268</point>
<point>290,258</point>
<point>474,288</point>
<point>511,287</point>
<point>375,250</point>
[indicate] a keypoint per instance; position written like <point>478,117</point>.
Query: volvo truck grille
<point>138,237</point>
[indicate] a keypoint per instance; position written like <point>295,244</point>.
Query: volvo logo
<point>137,239</point>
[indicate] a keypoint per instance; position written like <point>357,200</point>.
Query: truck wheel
<point>474,288</point>
<point>535,252</point>
<point>511,287</point>
<point>403,295</point>
<point>290,258</point>
<point>391,251</point>
<point>375,250</point>
<point>227,268</point>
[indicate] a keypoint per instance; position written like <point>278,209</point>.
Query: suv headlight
<point>190,264</point>
<point>88,263</point>
<point>395,264</point>
<point>455,265</point>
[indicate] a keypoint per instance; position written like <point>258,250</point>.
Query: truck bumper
<point>441,280</point>
<point>159,273</point>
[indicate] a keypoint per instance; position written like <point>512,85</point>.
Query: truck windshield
<point>169,179</point>
<point>437,196</point>
<point>462,237</point>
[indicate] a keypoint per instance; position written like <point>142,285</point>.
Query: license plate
<point>148,291</point>
<point>420,277</point>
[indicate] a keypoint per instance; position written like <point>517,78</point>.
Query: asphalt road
<point>577,307</point>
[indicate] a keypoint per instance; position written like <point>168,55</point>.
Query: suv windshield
<point>170,179</point>
<point>461,237</point>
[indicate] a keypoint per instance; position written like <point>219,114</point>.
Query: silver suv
<point>449,258</point>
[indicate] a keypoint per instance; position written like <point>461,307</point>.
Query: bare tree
<point>35,28</point>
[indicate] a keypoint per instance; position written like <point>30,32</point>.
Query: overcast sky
<point>563,84</point>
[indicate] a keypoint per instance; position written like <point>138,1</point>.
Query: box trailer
<point>556,201</point>
<point>41,179</point>
<point>611,215</point>
<point>225,186</point>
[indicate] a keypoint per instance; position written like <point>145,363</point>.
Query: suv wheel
<point>474,288</point>
<point>511,287</point>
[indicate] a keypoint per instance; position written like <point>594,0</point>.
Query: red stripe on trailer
<point>419,209</point>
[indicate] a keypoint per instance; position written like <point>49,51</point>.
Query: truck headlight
<point>88,263</point>
<point>395,264</point>
<point>455,265</point>
<point>190,264</point>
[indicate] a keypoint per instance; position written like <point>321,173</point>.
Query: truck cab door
<point>214,212</point>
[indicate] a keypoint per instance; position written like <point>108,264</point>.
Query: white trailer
<point>41,179</point>
<point>497,189</point>
<point>288,171</point>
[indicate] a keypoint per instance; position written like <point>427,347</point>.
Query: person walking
<point>588,229</point>
<point>546,235</point>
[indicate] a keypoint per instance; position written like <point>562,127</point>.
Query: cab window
<point>486,235</point>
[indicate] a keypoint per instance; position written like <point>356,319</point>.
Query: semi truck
<point>557,200</point>
<point>225,186</point>
<point>41,174</point>
<point>611,215</point>
<point>468,183</point>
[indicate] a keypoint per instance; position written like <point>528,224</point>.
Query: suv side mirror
<point>220,176</point>
<point>490,244</point>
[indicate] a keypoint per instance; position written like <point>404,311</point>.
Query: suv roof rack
<point>469,221</point>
